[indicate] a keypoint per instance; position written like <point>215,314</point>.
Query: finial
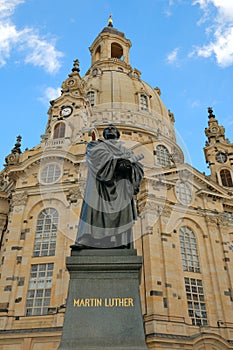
<point>110,22</point>
<point>13,157</point>
<point>17,149</point>
<point>76,66</point>
<point>210,111</point>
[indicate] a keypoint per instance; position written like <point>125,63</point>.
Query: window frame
<point>46,233</point>
<point>39,289</point>
<point>162,156</point>
<point>189,250</point>
<point>183,192</point>
<point>196,305</point>
<point>61,127</point>
<point>143,102</point>
<point>91,97</point>
<point>226,177</point>
<point>50,173</point>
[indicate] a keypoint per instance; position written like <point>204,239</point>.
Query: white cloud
<point>50,93</point>
<point>203,3</point>
<point>7,7</point>
<point>42,53</point>
<point>37,50</point>
<point>8,37</point>
<point>195,104</point>
<point>219,14</point>
<point>173,56</point>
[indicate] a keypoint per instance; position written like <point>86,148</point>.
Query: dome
<point>115,89</point>
<point>112,91</point>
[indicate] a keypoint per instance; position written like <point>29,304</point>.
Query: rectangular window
<point>91,98</point>
<point>39,289</point>
<point>196,301</point>
<point>143,103</point>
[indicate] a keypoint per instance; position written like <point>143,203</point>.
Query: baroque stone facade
<point>185,227</point>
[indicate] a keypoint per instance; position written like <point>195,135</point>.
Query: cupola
<point>110,44</point>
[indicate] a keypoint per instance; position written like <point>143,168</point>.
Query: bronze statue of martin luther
<point>108,210</point>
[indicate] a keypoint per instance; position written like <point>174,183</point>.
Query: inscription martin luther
<point>104,302</point>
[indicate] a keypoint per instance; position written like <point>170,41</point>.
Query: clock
<point>66,111</point>
<point>221,157</point>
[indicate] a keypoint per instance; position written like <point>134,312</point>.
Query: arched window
<point>97,53</point>
<point>183,192</point>
<point>189,253</point>
<point>143,102</point>
<point>95,72</point>
<point>59,130</point>
<point>91,97</point>
<point>226,178</point>
<point>46,233</point>
<point>163,156</point>
<point>116,51</point>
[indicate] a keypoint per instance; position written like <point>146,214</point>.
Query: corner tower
<point>219,153</point>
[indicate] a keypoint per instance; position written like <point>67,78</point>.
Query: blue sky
<point>183,46</point>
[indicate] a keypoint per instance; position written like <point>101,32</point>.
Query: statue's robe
<point>108,210</point>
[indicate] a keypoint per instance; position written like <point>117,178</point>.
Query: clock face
<point>221,157</point>
<point>66,111</point>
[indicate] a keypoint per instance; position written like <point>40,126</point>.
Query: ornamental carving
<point>13,158</point>
<point>167,212</point>
<point>74,82</point>
<point>74,195</point>
<point>4,181</point>
<point>19,199</point>
<point>212,219</point>
<point>225,220</point>
<point>151,206</point>
<point>184,175</point>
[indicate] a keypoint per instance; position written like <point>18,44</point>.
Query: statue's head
<point>111,132</point>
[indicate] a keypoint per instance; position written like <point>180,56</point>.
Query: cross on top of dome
<point>110,21</point>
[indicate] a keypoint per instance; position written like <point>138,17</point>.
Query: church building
<point>184,230</point>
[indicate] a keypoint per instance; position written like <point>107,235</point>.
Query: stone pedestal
<point>103,307</point>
